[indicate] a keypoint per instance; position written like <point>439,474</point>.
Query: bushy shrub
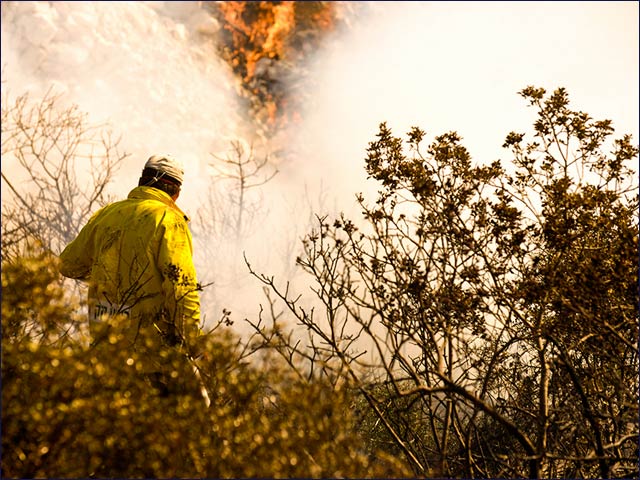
<point>75,410</point>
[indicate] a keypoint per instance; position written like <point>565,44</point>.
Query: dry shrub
<point>71,410</point>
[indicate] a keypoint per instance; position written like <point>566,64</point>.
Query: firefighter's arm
<point>180,287</point>
<point>77,257</point>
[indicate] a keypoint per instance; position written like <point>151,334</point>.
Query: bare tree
<point>487,319</point>
<point>55,170</point>
<point>243,172</point>
<point>229,214</point>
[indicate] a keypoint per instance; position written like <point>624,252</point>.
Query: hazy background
<point>150,70</point>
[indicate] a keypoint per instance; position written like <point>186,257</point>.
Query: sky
<point>145,68</point>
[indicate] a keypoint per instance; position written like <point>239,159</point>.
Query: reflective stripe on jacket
<point>137,256</point>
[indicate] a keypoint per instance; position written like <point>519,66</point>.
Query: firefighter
<point>137,257</point>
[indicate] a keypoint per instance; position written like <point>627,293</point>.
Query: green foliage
<point>73,410</point>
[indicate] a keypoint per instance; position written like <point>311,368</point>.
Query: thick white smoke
<point>459,65</point>
<point>150,70</point>
<point>140,66</point>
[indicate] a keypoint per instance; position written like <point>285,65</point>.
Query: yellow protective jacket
<point>137,256</point>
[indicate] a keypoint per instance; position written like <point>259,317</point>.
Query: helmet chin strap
<point>156,177</point>
<point>162,174</point>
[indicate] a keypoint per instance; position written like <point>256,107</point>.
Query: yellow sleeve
<point>76,260</point>
<point>179,284</point>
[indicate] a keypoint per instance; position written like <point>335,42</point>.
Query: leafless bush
<point>55,170</point>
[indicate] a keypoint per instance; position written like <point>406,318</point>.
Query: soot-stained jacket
<point>137,256</point>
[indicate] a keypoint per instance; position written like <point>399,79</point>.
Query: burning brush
<point>265,44</point>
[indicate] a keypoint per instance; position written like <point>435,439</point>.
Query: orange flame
<point>262,36</point>
<point>263,39</point>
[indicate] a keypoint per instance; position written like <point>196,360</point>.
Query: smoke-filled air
<point>299,88</point>
<point>404,242</point>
